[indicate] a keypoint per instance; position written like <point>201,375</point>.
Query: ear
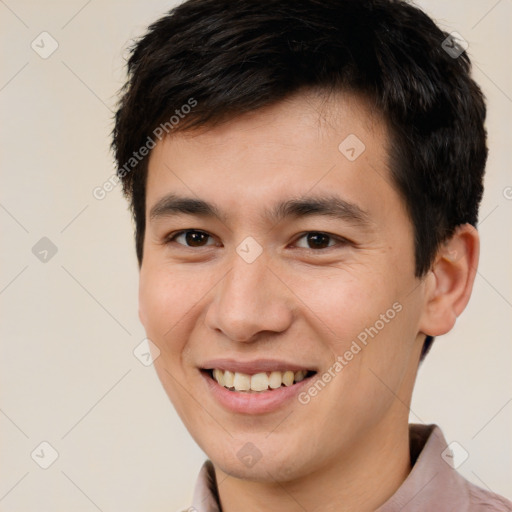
<point>450,281</point>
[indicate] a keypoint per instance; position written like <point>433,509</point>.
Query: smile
<point>259,386</point>
<point>258,382</point>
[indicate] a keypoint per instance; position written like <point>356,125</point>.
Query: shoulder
<point>482,500</point>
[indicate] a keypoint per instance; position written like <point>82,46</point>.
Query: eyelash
<point>340,240</point>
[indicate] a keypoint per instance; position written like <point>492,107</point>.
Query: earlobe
<point>450,281</point>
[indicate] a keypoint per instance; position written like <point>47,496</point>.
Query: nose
<point>249,301</point>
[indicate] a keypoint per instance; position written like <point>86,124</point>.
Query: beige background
<point>69,325</point>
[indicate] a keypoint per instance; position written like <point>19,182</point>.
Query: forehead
<point>306,143</point>
<point>301,117</point>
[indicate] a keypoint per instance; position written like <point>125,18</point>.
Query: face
<point>279,260</point>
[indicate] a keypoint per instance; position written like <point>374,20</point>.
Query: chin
<point>266,469</point>
<point>258,459</point>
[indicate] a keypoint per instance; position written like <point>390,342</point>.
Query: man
<point>305,179</point>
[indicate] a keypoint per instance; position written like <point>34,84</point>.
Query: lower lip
<point>259,402</point>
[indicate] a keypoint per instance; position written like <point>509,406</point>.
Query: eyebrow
<point>325,205</point>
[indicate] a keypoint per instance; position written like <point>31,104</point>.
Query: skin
<point>348,448</point>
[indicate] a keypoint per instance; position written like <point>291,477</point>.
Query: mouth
<point>260,386</point>
<point>261,382</point>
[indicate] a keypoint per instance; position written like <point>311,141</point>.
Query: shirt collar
<point>206,497</point>
<point>432,484</point>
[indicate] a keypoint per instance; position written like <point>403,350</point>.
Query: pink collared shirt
<point>431,486</point>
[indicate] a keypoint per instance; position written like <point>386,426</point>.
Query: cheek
<point>345,302</point>
<point>165,300</point>
<point>367,319</point>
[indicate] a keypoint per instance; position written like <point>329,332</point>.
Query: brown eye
<point>317,240</point>
<point>191,238</point>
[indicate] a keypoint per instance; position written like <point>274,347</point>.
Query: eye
<point>313,240</point>
<point>190,238</point>
<point>319,240</point>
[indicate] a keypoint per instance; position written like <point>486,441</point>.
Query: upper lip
<point>254,366</point>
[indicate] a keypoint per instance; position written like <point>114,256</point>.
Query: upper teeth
<point>258,381</point>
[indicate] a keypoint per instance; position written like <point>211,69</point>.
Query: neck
<point>361,480</point>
